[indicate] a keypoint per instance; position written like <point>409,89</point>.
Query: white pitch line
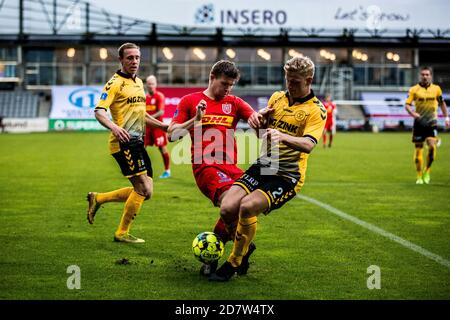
<point>379,231</point>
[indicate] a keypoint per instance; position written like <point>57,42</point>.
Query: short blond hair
<point>301,65</point>
<point>125,46</point>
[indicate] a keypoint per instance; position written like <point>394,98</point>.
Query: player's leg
<point>142,190</point>
<point>95,199</point>
<point>249,208</point>
<point>431,143</point>
<point>324,138</point>
<point>418,161</point>
<point>136,166</point>
<point>229,208</point>
<point>166,159</point>
<point>330,138</point>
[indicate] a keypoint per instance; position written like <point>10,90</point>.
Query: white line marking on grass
<point>379,231</point>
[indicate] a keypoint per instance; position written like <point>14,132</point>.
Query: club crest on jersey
<point>300,116</point>
<point>226,108</point>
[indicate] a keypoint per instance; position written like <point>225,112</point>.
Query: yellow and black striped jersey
<point>124,96</point>
<point>305,118</point>
<point>426,100</point>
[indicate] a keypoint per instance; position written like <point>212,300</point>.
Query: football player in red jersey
<point>330,125</point>
<point>210,117</point>
<point>154,136</point>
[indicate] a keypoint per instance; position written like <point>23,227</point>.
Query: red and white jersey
<point>214,143</point>
<point>154,103</point>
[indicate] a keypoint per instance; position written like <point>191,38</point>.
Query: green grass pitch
<point>303,251</point>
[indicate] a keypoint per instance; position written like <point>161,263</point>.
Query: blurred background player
<point>426,97</point>
<point>124,96</point>
<point>279,173</point>
<point>211,117</point>
<point>154,101</point>
<point>330,125</point>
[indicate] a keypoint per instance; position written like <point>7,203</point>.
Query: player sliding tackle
<point>210,117</point>
<point>295,122</point>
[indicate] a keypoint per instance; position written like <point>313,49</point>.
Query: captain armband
<point>311,138</point>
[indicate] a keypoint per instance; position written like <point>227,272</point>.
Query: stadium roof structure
<point>53,22</point>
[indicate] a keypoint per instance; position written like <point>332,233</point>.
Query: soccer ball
<point>207,247</point>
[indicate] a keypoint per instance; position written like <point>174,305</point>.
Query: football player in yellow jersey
<point>124,96</point>
<point>426,97</point>
<point>295,122</point>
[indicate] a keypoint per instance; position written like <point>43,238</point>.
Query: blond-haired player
<point>295,122</point>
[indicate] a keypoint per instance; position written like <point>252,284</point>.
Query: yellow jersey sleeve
<point>410,97</point>
<point>439,95</point>
<point>315,124</point>
<point>108,95</point>
<point>274,98</point>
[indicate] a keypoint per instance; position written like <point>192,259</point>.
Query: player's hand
<point>165,127</point>
<point>274,135</point>
<point>266,111</point>
<point>264,114</point>
<point>415,115</point>
<point>120,133</point>
<point>254,121</point>
<point>201,108</point>
<point>447,123</point>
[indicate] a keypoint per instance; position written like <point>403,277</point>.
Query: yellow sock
<point>418,160</point>
<point>231,228</point>
<point>120,195</point>
<point>431,156</point>
<point>132,207</point>
<point>245,233</point>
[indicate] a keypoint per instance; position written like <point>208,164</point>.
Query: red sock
<point>221,231</point>
<point>166,158</point>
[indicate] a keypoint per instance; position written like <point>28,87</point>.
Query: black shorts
<point>277,189</point>
<point>423,130</point>
<point>133,158</point>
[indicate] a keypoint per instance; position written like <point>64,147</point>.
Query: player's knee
<point>247,209</point>
<point>146,192</point>
<point>229,212</point>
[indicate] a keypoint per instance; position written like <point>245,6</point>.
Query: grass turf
<point>303,251</point>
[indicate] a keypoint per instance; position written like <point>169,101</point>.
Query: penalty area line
<point>377,230</point>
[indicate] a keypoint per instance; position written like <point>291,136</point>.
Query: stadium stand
<point>19,104</point>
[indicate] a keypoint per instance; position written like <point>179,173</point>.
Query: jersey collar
<point>301,100</point>
<point>426,87</point>
<point>126,76</point>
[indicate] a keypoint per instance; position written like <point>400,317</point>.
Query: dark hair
<point>226,68</point>
<point>427,68</point>
<point>127,45</point>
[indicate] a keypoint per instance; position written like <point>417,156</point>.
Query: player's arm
<point>412,113</point>
<point>304,144</point>
<point>120,133</point>
<point>160,107</point>
<point>155,123</point>
<point>408,105</point>
<point>178,130</point>
<point>444,109</point>
<point>311,134</point>
<point>443,106</point>
<point>106,100</point>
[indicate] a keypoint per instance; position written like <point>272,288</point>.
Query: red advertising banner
<point>173,97</point>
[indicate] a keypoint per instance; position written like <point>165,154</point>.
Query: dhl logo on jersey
<point>226,121</point>
<point>151,108</point>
